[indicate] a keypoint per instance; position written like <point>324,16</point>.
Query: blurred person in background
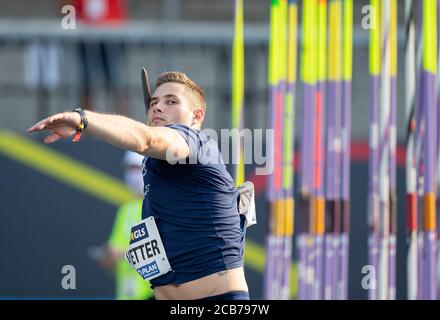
<point>129,285</point>
<point>103,57</point>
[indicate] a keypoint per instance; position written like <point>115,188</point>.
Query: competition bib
<point>146,253</point>
<point>246,205</point>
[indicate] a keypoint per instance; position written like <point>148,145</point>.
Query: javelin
<point>411,194</point>
<point>373,198</point>
<point>238,92</point>
<point>318,159</point>
<point>333,151</point>
<point>309,75</point>
<point>280,204</point>
<point>437,145</point>
<point>384,185</point>
<point>392,147</point>
<point>271,287</point>
<point>418,146</point>
<point>290,49</point>
<point>429,102</point>
<point>146,88</point>
<point>345,134</point>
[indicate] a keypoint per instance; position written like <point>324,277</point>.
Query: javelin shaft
<point>146,88</point>
<point>238,92</point>
<point>271,245</point>
<point>429,72</point>
<point>392,151</point>
<point>334,136</point>
<point>383,281</point>
<point>438,146</point>
<point>318,148</point>
<point>345,134</point>
<point>418,147</point>
<point>289,150</point>
<point>309,77</point>
<point>373,199</point>
<point>284,216</point>
<point>410,160</point>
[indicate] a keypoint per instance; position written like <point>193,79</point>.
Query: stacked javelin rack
<point>423,138</point>
<point>382,210</point>
<point>322,241</point>
<point>324,204</point>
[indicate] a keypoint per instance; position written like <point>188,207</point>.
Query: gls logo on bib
<point>138,233</point>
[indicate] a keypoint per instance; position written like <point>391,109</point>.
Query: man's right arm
<point>120,131</point>
<point>117,130</point>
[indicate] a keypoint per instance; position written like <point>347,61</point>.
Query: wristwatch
<point>83,124</point>
<point>83,116</point>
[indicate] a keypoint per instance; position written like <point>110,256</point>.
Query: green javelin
<point>289,130</point>
<point>284,208</point>
<point>309,74</point>
<point>238,92</point>
<point>373,212</point>
<point>429,107</point>
<point>271,285</point>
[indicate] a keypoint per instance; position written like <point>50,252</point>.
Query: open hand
<point>62,125</point>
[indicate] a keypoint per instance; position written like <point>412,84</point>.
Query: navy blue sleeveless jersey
<point>195,209</point>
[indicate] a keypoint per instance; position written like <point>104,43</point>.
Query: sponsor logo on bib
<point>148,270</point>
<point>138,233</point>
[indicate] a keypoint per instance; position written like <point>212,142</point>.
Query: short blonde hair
<point>179,77</point>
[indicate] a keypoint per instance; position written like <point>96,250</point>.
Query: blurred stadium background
<point>50,216</point>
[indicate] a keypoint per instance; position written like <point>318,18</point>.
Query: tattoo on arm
<point>223,273</point>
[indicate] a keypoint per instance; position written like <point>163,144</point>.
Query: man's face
<point>170,104</point>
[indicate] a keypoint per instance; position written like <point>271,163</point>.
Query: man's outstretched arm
<point>119,131</point>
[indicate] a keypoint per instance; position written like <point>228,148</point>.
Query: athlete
<point>187,188</point>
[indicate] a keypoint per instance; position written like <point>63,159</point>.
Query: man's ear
<point>198,116</point>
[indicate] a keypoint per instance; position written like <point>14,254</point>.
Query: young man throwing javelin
<point>194,202</point>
